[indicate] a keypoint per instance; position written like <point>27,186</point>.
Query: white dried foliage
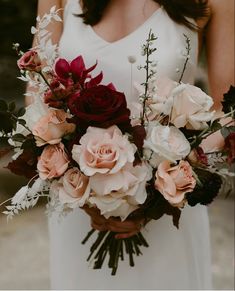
<point>46,50</point>
<point>215,158</point>
<point>27,197</point>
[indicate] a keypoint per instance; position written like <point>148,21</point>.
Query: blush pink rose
<point>174,182</point>
<point>53,162</point>
<point>30,61</point>
<point>52,127</point>
<point>103,151</point>
<point>120,194</point>
<point>74,188</point>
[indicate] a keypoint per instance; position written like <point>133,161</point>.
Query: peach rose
<point>191,107</point>
<point>103,151</point>
<point>53,162</point>
<point>52,127</point>
<point>165,142</point>
<point>73,188</point>
<point>174,182</point>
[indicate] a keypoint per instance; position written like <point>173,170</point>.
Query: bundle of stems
<point>106,244</point>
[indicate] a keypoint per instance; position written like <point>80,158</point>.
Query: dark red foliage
<point>25,165</point>
<point>229,147</point>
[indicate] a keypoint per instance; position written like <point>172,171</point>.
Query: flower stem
<point>188,49</point>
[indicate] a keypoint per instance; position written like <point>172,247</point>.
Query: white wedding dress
<point>175,259</point>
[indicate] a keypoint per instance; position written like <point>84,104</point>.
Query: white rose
<point>191,107</point>
<point>165,143</point>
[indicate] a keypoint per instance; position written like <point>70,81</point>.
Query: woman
<point>111,31</point>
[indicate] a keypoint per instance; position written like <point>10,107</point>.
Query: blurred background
<point>24,250</point>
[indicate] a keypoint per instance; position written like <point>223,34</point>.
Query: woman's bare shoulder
<point>215,8</point>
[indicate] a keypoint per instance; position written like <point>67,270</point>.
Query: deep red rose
<point>100,106</point>
<point>229,147</point>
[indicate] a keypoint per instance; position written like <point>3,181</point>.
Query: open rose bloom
<point>84,147</point>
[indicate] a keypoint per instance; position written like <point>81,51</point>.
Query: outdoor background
<point>24,253</point>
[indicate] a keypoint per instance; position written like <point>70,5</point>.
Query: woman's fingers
<point>100,227</point>
<point>124,229</point>
<point>125,235</point>
<point>124,226</point>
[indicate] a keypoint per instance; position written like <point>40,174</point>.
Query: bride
<point>110,31</point>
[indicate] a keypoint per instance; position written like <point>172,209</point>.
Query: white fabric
<point>176,259</point>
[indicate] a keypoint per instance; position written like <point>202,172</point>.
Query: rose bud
<point>30,61</point>
<point>197,157</point>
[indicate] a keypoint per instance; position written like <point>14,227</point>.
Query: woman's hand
<point>125,229</point>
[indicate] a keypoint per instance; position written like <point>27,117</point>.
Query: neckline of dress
<point>100,38</point>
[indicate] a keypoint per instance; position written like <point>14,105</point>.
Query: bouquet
<point>81,146</point>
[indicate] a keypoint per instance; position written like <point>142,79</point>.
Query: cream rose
<point>73,188</point>
<point>120,194</point>
<point>53,162</point>
<point>165,142</point>
<point>174,182</point>
<point>52,127</point>
<point>103,151</point>
<point>191,107</point>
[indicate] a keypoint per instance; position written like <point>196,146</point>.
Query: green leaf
<point>18,137</point>
<point>21,121</point>
<point>21,112</point>
<point>6,124</point>
<point>216,126</point>
<point>229,100</point>
<point>3,105</point>
<point>12,106</point>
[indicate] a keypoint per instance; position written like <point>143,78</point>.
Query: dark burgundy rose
<point>229,147</point>
<point>100,106</point>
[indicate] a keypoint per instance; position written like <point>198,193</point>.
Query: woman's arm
<point>55,28</point>
<point>220,48</point>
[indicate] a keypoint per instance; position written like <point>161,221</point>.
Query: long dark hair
<point>178,10</point>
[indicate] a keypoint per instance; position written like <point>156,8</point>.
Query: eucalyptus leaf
<point>21,112</point>
<point>22,122</point>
